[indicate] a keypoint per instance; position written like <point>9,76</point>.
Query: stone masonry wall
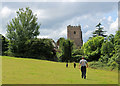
<point>74,33</point>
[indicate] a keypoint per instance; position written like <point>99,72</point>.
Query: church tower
<point>74,33</point>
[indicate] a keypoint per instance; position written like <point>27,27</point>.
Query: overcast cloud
<point>54,17</point>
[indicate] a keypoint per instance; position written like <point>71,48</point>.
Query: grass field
<point>31,71</point>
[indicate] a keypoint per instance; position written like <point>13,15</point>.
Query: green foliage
<point>114,64</point>
<point>77,54</point>
<point>76,58</point>
<point>41,49</point>
<point>67,50</point>
<point>107,48</point>
<point>103,66</point>
<point>111,38</point>
<point>4,44</point>
<point>115,59</point>
<point>117,47</point>
<point>21,31</point>
<point>97,65</point>
<point>60,48</point>
<point>99,31</point>
<point>61,41</point>
<point>117,38</point>
<point>92,47</point>
<point>111,60</point>
<point>104,58</point>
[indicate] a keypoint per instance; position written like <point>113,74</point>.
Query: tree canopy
<point>3,44</point>
<point>21,30</point>
<point>92,47</point>
<point>99,31</point>
<point>67,50</point>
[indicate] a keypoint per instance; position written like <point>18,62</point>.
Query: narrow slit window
<point>74,32</point>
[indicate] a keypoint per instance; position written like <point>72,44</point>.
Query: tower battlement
<point>69,26</point>
<point>74,33</point>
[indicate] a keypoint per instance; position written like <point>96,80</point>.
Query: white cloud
<point>5,12</point>
<point>64,32</point>
<point>113,27</point>
<point>0,28</point>
<point>42,36</point>
<point>2,31</point>
<point>119,15</point>
<point>109,19</point>
<point>87,34</point>
<point>41,14</point>
<point>54,17</point>
<point>86,26</point>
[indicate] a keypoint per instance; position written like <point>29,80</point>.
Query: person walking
<point>74,65</point>
<point>83,63</point>
<point>67,64</point>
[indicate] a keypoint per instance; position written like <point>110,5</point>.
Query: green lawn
<point>31,71</point>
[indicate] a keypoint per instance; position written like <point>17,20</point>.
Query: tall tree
<point>117,47</point>
<point>67,50</point>
<point>116,56</point>
<point>99,31</point>
<point>21,30</point>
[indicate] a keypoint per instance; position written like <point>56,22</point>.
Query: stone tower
<point>74,33</point>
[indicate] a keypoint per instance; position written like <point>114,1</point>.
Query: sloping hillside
<point>31,71</point>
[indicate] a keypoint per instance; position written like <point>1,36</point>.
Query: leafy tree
<point>115,59</point>
<point>42,49</point>
<point>117,46</point>
<point>111,38</point>
<point>60,48</point>
<point>67,50</point>
<point>3,44</point>
<point>117,38</point>
<point>21,31</point>
<point>92,48</point>
<point>107,50</point>
<point>60,43</point>
<point>77,54</point>
<point>99,31</point>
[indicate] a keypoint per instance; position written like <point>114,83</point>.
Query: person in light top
<point>84,64</point>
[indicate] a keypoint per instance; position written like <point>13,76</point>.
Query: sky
<point>54,17</point>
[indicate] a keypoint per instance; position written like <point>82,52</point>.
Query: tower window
<point>74,32</point>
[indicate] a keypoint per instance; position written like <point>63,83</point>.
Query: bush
<point>104,59</point>
<point>9,53</point>
<point>42,49</point>
<point>77,58</point>
<point>97,65</point>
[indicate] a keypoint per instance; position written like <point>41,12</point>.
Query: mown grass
<point>31,71</point>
